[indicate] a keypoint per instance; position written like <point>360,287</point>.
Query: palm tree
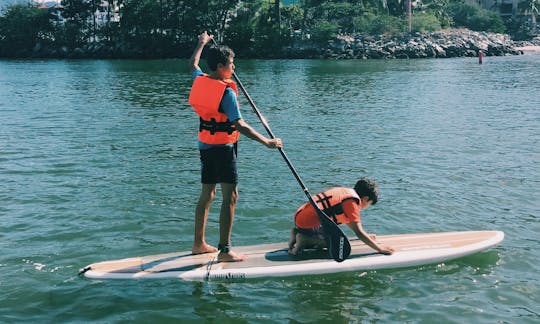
<point>534,14</point>
<point>532,8</point>
<point>278,13</point>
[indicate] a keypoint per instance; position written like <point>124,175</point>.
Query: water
<point>98,161</point>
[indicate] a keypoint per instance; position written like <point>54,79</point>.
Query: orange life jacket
<point>205,98</point>
<point>330,202</point>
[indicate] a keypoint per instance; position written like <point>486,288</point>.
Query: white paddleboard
<point>272,260</point>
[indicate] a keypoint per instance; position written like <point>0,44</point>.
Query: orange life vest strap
<point>327,208</point>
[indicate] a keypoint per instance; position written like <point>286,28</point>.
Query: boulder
<point>439,44</point>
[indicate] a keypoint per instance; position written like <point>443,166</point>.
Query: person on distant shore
<point>343,206</point>
<point>214,98</point>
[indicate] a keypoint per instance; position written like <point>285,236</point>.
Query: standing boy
<point>343,206</point>
<point>214,99</point>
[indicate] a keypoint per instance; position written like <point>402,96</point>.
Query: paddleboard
<point>272,260</point>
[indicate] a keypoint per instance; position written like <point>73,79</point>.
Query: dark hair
<point>367,188</point>
<point>218,54</point>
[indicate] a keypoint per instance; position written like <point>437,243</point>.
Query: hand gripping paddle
<point>339,246</point>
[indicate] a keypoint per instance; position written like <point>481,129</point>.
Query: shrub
<point>487,21</point>
<point>22,26</point>
<point>425,22</point>
<point>323,30</point>
<point>474,17</point>
<point>373,24</point>
<point>387,25</point>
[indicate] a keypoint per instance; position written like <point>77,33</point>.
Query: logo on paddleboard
<point>228,276</point>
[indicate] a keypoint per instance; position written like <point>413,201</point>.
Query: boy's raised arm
<point>204,38</point>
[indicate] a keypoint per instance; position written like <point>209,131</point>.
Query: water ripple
<point>98,161</point>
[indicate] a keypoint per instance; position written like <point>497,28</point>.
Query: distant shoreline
<point>529,48</point>
<point>445,43</point>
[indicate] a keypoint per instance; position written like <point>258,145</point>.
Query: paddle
<point>339,246</point>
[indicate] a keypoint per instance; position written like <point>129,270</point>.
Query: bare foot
<point>300,244</point>
<point>306,242</point>
<point>204,248</point>
<point>230,257</point>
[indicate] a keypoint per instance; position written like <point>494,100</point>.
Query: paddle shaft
<point>339,246</point>
<point>271,134</point>
<point>331,228</point>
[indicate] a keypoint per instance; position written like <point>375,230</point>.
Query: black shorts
<point>311,232</point>
<point>218,165</point>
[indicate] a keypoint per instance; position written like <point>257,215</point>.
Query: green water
<point>98,161</point>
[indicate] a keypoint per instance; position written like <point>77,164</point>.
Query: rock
<point>37,48</point>
<point>63,51</point>
<point>440,44</point>
<point>78,52</point>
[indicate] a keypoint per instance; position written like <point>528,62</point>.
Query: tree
<point>22,27</point>
<point>291,17</point>
<point>531,7</point>
<point>139,26</point>
<point>256,30</point>
<point>268,36</point>
<point>474,17</point>
<point>439,8</point>
<point>277,9</point>
<point>241,31</point>
<point>74,33</point>
<point>213,15</point>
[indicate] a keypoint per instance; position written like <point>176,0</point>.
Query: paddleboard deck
<point>272,260</point>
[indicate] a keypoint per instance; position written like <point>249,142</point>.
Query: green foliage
<point>487,21</point>
<point>139,19</point>
<point>530,7</point>
<point>267,34</point>
<point>437,8</point>
<point>384,24</point>
<point>163,28</point>
<point>339,14</point>
<point>387,25</point>
<point>474,17</point>
<point>21,28</point>
<point>75,31</point>
<point>326,18</point>
<point>292,17</point>
<point>254,30</point>
<point>425,22</point>
<point>323,30</point>
<point>76,10</point>
<point>395,7</point>
<point>239,36</point>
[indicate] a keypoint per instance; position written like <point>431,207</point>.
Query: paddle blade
<point>339,246</point>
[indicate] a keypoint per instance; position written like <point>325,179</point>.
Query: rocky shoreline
<point>439,44</point>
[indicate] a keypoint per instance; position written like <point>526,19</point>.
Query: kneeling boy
<point>343,206</point>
